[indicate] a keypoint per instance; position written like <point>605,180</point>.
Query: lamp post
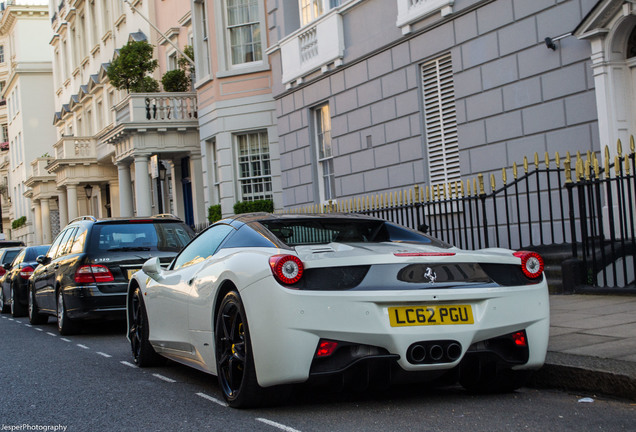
<point>160,180</point>
<point>88,189</point>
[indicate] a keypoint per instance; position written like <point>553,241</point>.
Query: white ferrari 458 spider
<point>263,301</point>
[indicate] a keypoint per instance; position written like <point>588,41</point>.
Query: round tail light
<point>287,269</point>
<point>531,263</point>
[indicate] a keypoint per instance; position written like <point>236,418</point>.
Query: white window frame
<point>262,158</point>
<point>323,145</point>
<point>440,120</point>
<point>315,9</point>
<point>225,66</point>
<point>201,34</point>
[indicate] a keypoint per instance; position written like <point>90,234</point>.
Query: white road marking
<point>104,354</point>
<point>51,334</point>
<point>129,364</point>
<point>38,329</point>
<point>210,398</point>
<point>11,319</point>
<point>277,425</point>
<point>164,378</point>
<point>29,325</point>
<point>83,346</point>
<point>65,340</point>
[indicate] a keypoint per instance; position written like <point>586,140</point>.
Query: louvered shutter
<point>440,118</point>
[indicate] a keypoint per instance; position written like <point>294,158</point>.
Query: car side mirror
<point>152,268</point>
<point>7,266</point>
<point>43,259</point>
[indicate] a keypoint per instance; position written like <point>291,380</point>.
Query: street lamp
<point>89,191</point>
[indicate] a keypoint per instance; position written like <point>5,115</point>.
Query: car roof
<point>155,218</point>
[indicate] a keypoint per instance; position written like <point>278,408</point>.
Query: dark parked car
<point>85,273</point>
<point>7,254</point>
<point>15,282</point>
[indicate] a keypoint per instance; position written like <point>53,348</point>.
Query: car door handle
<point>190,281</point>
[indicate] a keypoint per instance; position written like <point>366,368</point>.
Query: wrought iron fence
<point>557,201</point>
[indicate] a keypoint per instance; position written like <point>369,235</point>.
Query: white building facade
<point>28,86</point>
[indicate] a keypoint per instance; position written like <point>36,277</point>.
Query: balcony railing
<point>157,107</point>
<point>38,167</point>
<point>75,148</point>
<point>313,47</point>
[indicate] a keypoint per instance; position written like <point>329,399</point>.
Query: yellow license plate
<point>131,272</point>
<point>422,315</point>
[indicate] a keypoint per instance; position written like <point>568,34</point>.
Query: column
<point>46,221</point>
<point>97,193</point>
<point>71,195</point>
<point>143,188</point>
<point>37,210</point>
<point>63,208</point>
<point>198,202</point>
<point>125,190</point>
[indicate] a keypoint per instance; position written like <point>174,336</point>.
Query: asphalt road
<point>88,383</point>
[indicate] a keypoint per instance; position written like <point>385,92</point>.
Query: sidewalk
<point>592,346</point>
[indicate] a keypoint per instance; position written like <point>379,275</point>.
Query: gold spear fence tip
<point>492,182</point>
<point>631,143</point>
<point>596,170</point>
<point>557,160</point>
<point>536,160</point>
<point>525,164</point>
<point>547,160</point>
<point>503,176</point>
<point>617,165</point>
<point>619,147</point>
<point>568,171</point>
<point>514,170</point>
<point>482,191</point>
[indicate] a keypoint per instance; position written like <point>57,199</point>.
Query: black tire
<point>17,310</point>
<point>65,325</point>
<point>488,378</point>
<point>4,307</point>
<point>235,360</point>
<point>143,353</point>
<point>35,317</point>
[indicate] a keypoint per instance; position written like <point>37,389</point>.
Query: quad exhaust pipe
<point>432,352</point>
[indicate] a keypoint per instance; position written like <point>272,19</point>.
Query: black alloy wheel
<point>143,352</point>
<point>4,307</point>
<point>234,359</point>
<point>35,317</point>
<point>65,325</point>
<point>17,310</point>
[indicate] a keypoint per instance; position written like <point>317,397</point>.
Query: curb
<point>587,374</point>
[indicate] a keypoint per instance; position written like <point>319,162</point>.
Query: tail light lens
<point>531,263</point>
<point>93,273</point>
<point>2,271</point>
<point>287,269</point>
<point>26,272</point>
<point>326,348</point>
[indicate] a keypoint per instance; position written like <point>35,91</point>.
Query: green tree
<point>129,70</point>
<point>175,81</point>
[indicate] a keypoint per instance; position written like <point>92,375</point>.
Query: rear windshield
<point>167,237</point>
<point>9,255</point>
<point>297,232</point>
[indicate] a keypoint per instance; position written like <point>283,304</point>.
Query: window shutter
<point>440,118</point>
